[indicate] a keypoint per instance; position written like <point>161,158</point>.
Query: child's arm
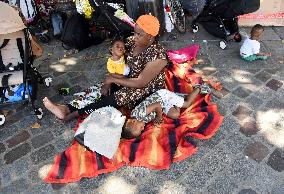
<point>158,109</point>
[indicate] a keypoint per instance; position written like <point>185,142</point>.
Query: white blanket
<point>102,130</point>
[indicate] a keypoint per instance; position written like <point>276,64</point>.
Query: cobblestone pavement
<point>246,156</point>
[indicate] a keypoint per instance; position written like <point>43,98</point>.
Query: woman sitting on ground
<point>146,59</point>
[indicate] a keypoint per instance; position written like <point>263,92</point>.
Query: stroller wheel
<point>39,113</point>
<point>2,119</point>
<point>195,28</point>
<point>223,44</point>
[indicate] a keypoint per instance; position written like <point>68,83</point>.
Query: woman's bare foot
<point>60,111</point>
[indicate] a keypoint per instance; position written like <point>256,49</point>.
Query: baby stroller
<point>18,79</point>
<point>104,20</point>
<point>219,18</point>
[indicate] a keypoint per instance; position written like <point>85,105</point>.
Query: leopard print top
<point>129,97</point>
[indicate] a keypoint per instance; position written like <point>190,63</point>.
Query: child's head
<point>132,128</point>
<point>256,31</point>
<point>117,48</point>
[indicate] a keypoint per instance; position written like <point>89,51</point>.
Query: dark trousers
<point>102,102</point>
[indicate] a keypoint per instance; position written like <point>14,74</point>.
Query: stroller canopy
<point>10,21</point>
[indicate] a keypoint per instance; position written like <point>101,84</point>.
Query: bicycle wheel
<point>176,14</point>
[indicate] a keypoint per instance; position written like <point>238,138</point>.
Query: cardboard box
<point>270,13</point>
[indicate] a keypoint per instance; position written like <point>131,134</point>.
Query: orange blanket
<point>157,147</point>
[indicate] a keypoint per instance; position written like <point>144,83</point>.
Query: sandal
<point>204,88</point>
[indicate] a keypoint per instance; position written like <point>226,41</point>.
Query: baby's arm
<point>156,107</point>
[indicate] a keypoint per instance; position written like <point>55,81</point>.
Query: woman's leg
<point>59,110</point>
<point>82,99</point>
<point>103,102</point>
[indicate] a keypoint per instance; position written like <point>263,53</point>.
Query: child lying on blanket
<point>152,108</point>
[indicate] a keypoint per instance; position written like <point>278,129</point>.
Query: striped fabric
<point>158,146</point>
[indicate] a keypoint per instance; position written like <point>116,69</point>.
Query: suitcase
<point>155,8</point>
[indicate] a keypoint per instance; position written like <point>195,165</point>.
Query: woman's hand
<point>109,80</point>
<point>105,89</point>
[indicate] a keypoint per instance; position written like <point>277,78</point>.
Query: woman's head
<point>117,49</point>
<point>132,128</point>
<point>146,29</point>
<point>257,31</point>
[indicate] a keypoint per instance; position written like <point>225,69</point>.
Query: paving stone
<point>42,139</point>
<point>33,176</point>
<point>17,153</point>
<point>19,138</point>
<point>90,185</point>
<point>242,112</point>
<point>249,128</point>
<point>229,102</point>
<point>254,102</point>
<point>178,169</point>
<point>196,180</point>
<point>216,139</point>
<point>41,188</point>
<point>263,76</point>
<point>42,154</point>
<point>278,189</point>
<point>5,133</point>
<point>263,177</point>
<point>15,187</point>
<point>6,175</point>
<point>276,160</point>
<point>21,166</point>
<point>273,70</point>
<point>62,144</point>
<point>2,148</point>
<point>241,92</point>
<point>221,185</point>
<point>221,94</point>
<point>241,169</point>
<point>229,125</point>
<point>172,187</point>
<point>275,103</point>
<point>247,191</point>
<point>256,151</point>
<point>274,84</point>
<point>235,143</point>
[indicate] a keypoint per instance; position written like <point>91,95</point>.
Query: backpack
<point>76,33</point>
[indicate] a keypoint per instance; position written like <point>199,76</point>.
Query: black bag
<point>76,33</point>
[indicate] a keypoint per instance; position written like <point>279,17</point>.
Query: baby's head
<point>132,128</point>
<point>117,48</point>
<point>256,31</point>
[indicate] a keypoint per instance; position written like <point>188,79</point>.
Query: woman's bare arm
<point>151,70</point>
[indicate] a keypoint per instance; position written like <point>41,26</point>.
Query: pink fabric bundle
<point>184,54</point>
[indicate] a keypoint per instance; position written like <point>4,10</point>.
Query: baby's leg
<point>190,98</point>
<point>174,112</point>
